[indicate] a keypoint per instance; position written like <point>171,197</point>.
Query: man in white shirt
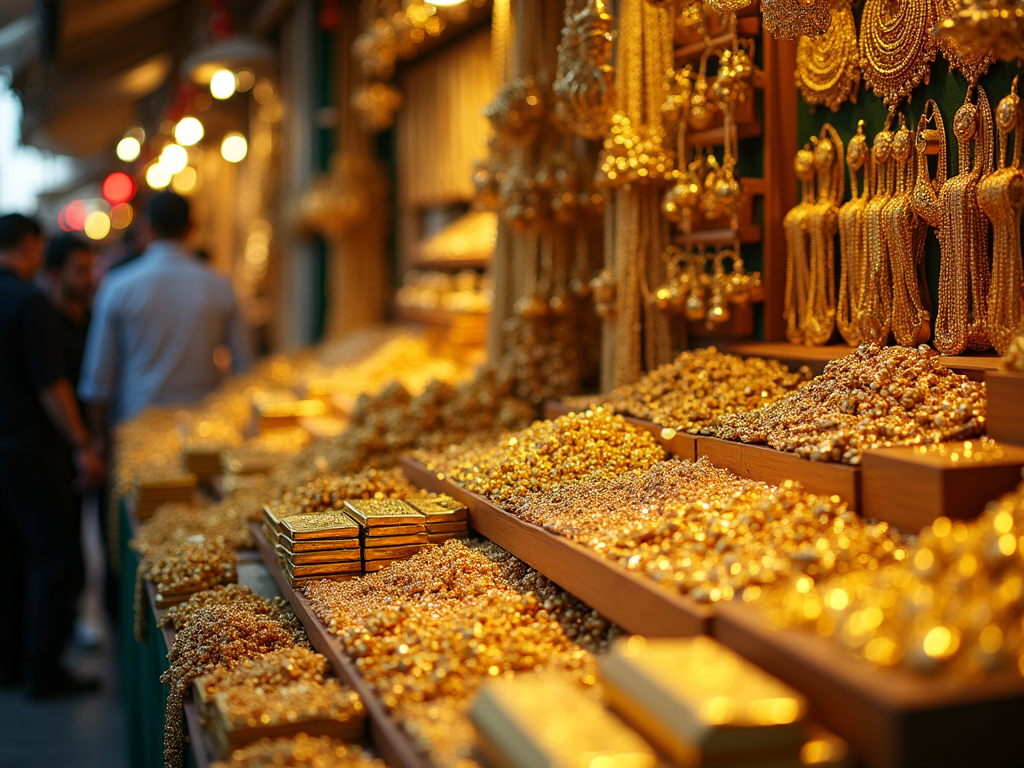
<point>157,322</point>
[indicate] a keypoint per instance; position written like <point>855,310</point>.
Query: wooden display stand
<point>910,488</point>
<point>635,603</point>
<point>388,737</point>
<point>1005,409</point>
<point>759,462</point>
<point>680,444</point>
<point>893,719</point>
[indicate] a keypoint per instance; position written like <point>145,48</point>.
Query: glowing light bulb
<point>174,158</point>
<point>188,131</point>
<point>234,148</point>
<point>97,225</point>
<point>128,149</point>
<point>157,177</point>
<point>223,84</point>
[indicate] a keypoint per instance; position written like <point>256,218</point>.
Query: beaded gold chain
<point>896,46</point>
<point>828,65</point>
<point>797,264</point>
<point>821,225</point>
<point>1001,197</point>
<point>852,251</point>
<point>875,319</point>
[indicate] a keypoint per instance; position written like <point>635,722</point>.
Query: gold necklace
<point>796,248</point>
<point>828,65</point>
<point>963,236</point>
<point>973,60</point>
<point>905,233</point>
<point>1001,197</point>
<point>876,315</point>
<point>789,19</point>
<point>821,224</point>
<point>584,81</point>
<point>852,265</point>
<point>896,46</point>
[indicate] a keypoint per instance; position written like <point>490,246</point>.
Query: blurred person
<point>69,267</point>
<point>45,456</point>
<point>156,323</point>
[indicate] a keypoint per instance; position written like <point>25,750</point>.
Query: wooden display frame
<point>388,738</point>
<point>759,462</point>
<point>1005,407</point>
<point>893,719</point>
<point>910,489</point>
<point>638,605</point>
<point>681,445</point>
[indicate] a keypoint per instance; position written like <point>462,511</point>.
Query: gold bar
<point>440,509</point>
<point>370,513</point>
<point>318,545</point>
<point>333,524</point>
<point>441,538</point>
<point>395,541</point>
<point>391,553</point>
<point>700,703</point>
<point>543,720</point>
<point>395,530</point>
<point>331,556</point>
<point>455,527</point>
<point>318,569</point>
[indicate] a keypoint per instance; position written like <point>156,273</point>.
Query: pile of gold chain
<point>1001,197</point>
<point>828,65</point>
<point>852,263</point>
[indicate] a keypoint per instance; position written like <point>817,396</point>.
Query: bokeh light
<point>234,148</point>
<point>97,225</point>
<point>128,149</point>
<point>157,177</point>
<point>223,84</point>
<point>188,131</point>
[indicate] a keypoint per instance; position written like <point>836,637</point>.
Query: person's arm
<point>99,367</point>
<point>60,405</point>
<point>41,345</point>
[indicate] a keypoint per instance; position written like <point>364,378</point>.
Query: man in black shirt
<point>39,421</point>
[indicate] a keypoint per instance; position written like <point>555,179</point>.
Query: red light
<point>74,215</point>
<point>118,187</point>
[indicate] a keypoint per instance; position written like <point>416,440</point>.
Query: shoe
<point>62,683</point>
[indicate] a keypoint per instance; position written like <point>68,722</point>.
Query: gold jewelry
<point>828,65</point>
<point>584,85</point>
<point>905,233</point>
<point>971,59</point>
<point>797,265</point>
<point>1001,198</point>
<point>991,25</point>
<point>852,248</point>
<point>789,19</point>
<point>896,46</point>
<point>821,224</point>
<point>876,316</point>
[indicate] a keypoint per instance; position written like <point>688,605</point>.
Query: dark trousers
<point>41,566</point>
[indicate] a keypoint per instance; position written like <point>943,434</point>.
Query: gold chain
<point>828,65</point>
<point>875,319</point>
<point>896,46</point>
<point>852,250</point>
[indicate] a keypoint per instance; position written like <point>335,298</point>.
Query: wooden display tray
<point>633,602</point>
<point>759,462</point>
<point>681,445</point>
<point>893,719</point>
<point>910,489</point>
<point>390,741</point>
<point>1005,409</point>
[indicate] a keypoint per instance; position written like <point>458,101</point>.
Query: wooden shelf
<point>892,718</point>
<point>453,265</point>
<point>748,26</point>
<point>713,238</point>
<point>631,601</point>
<point>972,366</point>
<point>1004,391</point>
<point>387,735</point>
<point>681,445</point>
<point>715,137</point>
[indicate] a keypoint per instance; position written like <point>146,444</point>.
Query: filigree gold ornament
<point>971,59</point>
<point>828,65</point>
<point>821,224</point>
<point>995,26</point>
<point>791,19</point>
<point>1001,197</point>
<point>875,319</point>
<point>584,84</point>
<point>797,265</point>
<point>896,46</point>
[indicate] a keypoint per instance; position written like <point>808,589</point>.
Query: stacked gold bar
<point>321,545</point>
<point>445,518</point>
<point>545,720</point>
<point>390,530</point>
<point>242,714</point>
<point>151,492</point>
<point>202,460</point>
<point>702,705</point>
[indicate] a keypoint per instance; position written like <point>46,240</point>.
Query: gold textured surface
<point>376,512</point>
<point>319,525</point>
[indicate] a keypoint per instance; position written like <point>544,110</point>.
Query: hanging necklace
<point>821,224</point>
<point>1001,197</point>
<point>963,236</point>
<point>896,46</point>
<point>905,233</point>
<point>852,265</point>
<point>828,65</point>
<point>876,315</point>
<point>796,247</point>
